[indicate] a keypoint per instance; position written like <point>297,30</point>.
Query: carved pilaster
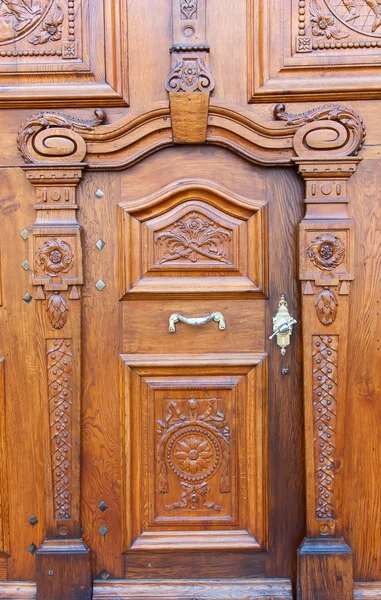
<point>55,265</point>
<point>190,81</point>
<point>326,270</point>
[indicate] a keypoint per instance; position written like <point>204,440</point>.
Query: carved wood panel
<point>342,37</point>
<point>189,430</point>
<point>62,39</point>
<point>189,231</point>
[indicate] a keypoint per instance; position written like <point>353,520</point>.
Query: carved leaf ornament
<point>326,306</point>
<point>193,236</point>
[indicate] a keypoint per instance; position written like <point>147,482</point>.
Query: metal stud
<point>100,244</point>
<point>99,194</point>
<point>103,530</point>
<point>25,265</point>
<point>33,520</point>
<point>27,298</point>
<point>104,575</point>
<point>32,548</point>
<point>100,285</point>
<point>102,506</point>
<point>24,234</point>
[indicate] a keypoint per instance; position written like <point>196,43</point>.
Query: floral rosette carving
<point>326,252</point>
<point>55,257</point>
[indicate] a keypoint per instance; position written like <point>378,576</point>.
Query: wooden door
<point>155,442</point>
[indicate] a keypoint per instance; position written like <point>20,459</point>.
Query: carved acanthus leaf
<point>326,306</point>
<point>57,310</point>
<point>340,114</point>
<point>31,146</point>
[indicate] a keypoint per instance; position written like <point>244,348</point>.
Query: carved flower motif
<point>55,257</point>
<point>51,29</point>
<point>188,8</point>
<point>323,25</point>
<point>326,252</point>
<point>194,453</point>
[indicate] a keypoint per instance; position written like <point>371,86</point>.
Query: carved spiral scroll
<point>329,129</point>
<point>47,135</point>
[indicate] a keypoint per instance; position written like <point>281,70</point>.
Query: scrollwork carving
<point>190,75</point>
<point>349,127</point>
<point>188,9</point>
<point>46,135</point>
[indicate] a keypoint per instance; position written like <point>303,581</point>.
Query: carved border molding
<point>53,137</point>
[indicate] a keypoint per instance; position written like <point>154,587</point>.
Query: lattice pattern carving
<point>60,375</point>
<point>324,373</point>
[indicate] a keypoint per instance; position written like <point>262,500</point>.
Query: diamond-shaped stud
<point>100,285</point>
<point>25,265</point>
<point>104,575</point>
<point>27,298</point>
<point>103,530</point>
<point>100,244</point>
<point>24,234</point>
<point>32,548</point>
<point>33,520</point>
<point>99,194</point>
<point>102,506</point>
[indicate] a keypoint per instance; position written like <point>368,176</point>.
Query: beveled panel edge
<point>150,541</point>
<point>244,359</point>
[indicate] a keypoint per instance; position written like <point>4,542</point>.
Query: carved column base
<point>63,570</point>
<point>325,570</point>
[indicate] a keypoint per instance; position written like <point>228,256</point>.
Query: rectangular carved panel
<point>195,446</point>
<point>307,36</point>
<point>210,241</point>
<point>55,38</point>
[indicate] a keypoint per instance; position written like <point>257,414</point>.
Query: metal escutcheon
<point>282,326</point>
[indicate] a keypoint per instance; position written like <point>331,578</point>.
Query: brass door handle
<point>216,316</point>
<point>282,326</point>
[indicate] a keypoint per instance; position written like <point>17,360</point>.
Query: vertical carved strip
<point>326,267</point>
<point>4,516</point>
<point>324,381</point>
<point>60,374</point>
